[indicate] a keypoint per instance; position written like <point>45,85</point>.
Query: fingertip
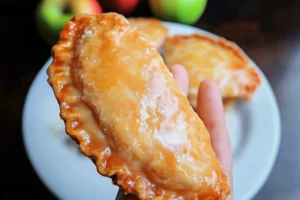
<point>209,98</point>
<point>181,77</point>
<point>179,71</point>
<point>209,85</point>
<point>177,66</point>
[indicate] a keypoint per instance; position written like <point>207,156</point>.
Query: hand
<point>210,110</point>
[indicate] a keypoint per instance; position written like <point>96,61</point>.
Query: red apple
<point>52,15</point>
<point>86,6</point>
<point>124,7</point>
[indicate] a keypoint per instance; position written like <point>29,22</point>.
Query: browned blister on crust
<point>122,106</point>
<point>152,29</point>
<point>205,57</point>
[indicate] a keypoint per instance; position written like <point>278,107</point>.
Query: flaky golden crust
<point>206,57</point>
<point>152,29</point>
<point>122,106</point>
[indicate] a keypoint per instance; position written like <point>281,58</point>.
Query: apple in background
<point>182,11</point>
<point>52,15</point>
<point>124,7</point>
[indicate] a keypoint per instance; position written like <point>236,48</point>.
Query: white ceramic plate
<point>254,129</point>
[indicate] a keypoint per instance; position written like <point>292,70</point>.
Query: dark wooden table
<point>269,33</point>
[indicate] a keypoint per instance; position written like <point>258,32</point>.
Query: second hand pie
<point>124,109</point>
<point>205,57</point>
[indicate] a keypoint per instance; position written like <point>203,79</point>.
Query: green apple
<point>52,15</point>
<point>182,11</point>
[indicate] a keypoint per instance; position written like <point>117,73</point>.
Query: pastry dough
<point>152,29</point>
<point>127,113</point>
<point>210,58</point>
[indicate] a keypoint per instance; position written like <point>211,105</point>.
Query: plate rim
<point>272,99</point>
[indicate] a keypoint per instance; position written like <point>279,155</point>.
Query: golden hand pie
<point>122,106</point>
<point>152,29</point>
<point>208,58</point>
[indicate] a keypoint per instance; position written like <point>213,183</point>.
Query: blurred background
<point>268,31</point>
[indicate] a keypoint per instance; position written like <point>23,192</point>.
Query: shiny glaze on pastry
<point>205,57</point>
<point>152,29</point>
<point>121,104</point>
